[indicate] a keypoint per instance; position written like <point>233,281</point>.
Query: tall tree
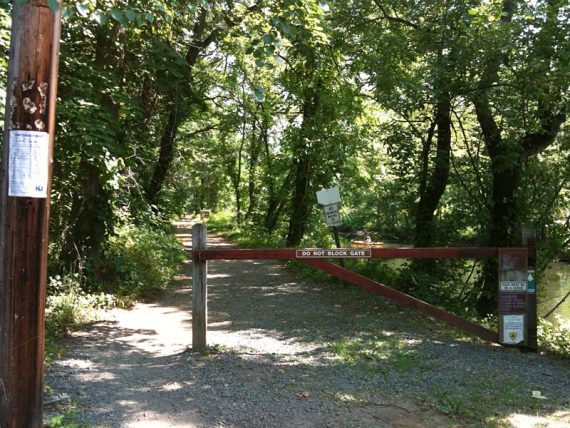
<point>527,66</point>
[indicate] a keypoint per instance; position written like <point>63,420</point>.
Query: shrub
<point>554,338</point>
<point>139,262</point>
<point>69,306</point>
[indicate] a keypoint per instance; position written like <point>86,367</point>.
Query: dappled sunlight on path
<point>274,358</point>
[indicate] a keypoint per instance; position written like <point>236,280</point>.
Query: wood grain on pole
<point>199,289</point>
<point>30,106</point>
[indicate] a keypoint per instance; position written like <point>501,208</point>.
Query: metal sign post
<point>529,241</point>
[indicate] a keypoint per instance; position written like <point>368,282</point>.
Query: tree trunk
<point>166,154</point>
<point>91,210</point>
<point>507,161</point>
<point>302,167</point>
<point>88,218</point>
<point>254,149</point>
<point>300,202</point>
<point>431,193</point>
<point>177,114</point>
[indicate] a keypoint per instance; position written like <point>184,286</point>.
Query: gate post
<point>199,288</point>
<point>513,316</point>
<point>529,241</point>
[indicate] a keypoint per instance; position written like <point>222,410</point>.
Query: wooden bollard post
<point>199,289</point>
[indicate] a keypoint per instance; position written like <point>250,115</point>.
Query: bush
<point>69,306</point>
<point>554,338</point>
<point>139,262</point>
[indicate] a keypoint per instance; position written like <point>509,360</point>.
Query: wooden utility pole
<point>25,181</point>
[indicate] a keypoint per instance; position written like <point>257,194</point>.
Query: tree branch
<point>395,18</point>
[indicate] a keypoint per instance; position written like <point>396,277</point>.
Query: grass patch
<point>486,400</point>
<point>246,235</point>
<point>65,417</point>
<point>381,354</point>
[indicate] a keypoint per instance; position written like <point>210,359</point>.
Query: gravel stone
<point>273,364</point>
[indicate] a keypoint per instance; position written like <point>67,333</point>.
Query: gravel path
<point>275,362</point>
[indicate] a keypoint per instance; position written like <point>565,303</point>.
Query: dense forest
<point>443,122</point>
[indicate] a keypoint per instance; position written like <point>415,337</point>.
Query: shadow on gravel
<point>118,384</point>
<point>291,354</point>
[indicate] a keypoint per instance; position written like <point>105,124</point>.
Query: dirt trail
<point>272,364</point>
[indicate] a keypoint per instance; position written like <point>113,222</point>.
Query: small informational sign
<point>328,196</point>
<point>28,161</point>
<point>337,253</point>
<point>531,282</point>
<point>332,215</point>
<point>513,286</point>
<point>513,329</point>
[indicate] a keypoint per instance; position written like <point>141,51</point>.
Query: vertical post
<point>199,289</point>
<point>529,241</point>
<point>337,242</point>
<point>513,317</point>
<point>25,182</point>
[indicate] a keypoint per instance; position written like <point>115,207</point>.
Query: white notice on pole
<point>28,164</point>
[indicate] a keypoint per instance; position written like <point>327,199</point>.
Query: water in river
<point>554,286</point>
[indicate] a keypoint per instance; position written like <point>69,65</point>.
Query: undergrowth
<point>554,338</point>
<point>140,262</point>
<point>69,306</point>
<point>137,264</point>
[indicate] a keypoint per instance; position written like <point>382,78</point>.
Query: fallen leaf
<point>303,394</point>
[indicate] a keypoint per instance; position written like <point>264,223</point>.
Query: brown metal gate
<point>512,265</point>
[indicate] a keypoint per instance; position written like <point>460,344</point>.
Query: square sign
<point>513,329</point>
<point>328,196</point>
<point>332,215</point>
<point>28,164</point>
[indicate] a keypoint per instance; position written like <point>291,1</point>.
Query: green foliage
<point>140,262</point>
<point>67,419</point>
<point>554,338</point>
<point>68,306</point>
<point>440,282</point>
<point>245,235</point>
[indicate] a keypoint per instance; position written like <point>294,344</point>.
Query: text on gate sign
<point>334,253</point>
